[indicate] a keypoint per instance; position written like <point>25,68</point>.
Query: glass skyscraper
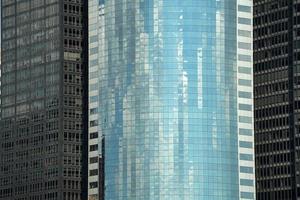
<point>170,96</point>
<point>277,99</point>
<point>43,120</point>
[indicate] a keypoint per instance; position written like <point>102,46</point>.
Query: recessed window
<point>93,185</point>
<point>244,119</point>
<point>243,8</point>
<point>247,195</point>
<point>244,131</point>
<point>244,33</point>
<point>93,111</point>
<point>93,135</point>
<point>245,21</point>
<point>246,107</point>
<point>94,147</point>
<point>247,170</point>
<point>93,160</point>
<point>244,58</point>
<point>244,82</point>
<point>247,157</point>
<point>244,45</point>
<point>246,182</point>
<point>247,95</point>
<point>244,70</point>
<point>94,172</point>
<point>93,123</point>
<point>245,144</point>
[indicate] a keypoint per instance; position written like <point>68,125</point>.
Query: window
<point>93,111</point>
<point>247,157</point>
<point>244,33</point>
<point>246,107</point>
<point>247,95</point>
<point>243,8</point>
<point>93,135</point>
<point>245,58</point>
<point>244,131</point>
<point>93,75</point>
<point>93,99</point>
<point>244,82</point>
<point>93,50</point>
<point>245,144</point>
<point>93,63</point>
<point>244,119</point>
<point>246,182</point>
<point>93,185</point>
<point>244,45</point>
<point>245,70</point>
<point>93,39</point>
<point>94,172</point>
<point>93,160</point>
<point>94,147</point>
<point>93,123</point>
<point>93,86</point>
<point>245,21</point>
<point>247,170</point>
<point>247,195</point>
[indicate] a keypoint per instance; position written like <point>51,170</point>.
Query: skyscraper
<point>170,95</point>
<point>276,74</point>
<point>43,82</point>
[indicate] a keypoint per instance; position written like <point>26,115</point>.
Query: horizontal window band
<point>247,195</point>
<point>246,170</point>
<point>244,33</point>
<point>244,131</point>
<point>243,8</point>
<point>247,182</point>
<point>245,144</point>
<point>245,21</point>
<point>244,70</point>
<point>247,95</point>
<point>246,157</point>
<point>244,119</point>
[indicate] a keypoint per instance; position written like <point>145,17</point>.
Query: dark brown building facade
<point>277,98</point>
<point>43,87</point>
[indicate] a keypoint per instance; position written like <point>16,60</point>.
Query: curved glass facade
<point>168,100</point>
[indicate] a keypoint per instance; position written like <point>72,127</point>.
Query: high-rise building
<point>170,96</point>
<point>277,98</point>
<point>96,62</point>
<point>44,98</point>
<point>0,67</point>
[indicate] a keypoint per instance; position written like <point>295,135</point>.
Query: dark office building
<point>43,87</point>
<point>277,98</point>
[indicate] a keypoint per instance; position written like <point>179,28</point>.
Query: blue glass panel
<point>243,131</point>
<point>168,100</point>
<point>93,99</point>
<point>245,70</point>
<point>93,62</point>
<point>244,119</point>
<point>247,195</point>
<point>246,182</point>
<point>247,95</point>
<point>93,51</point>
<point>244,33</point>
<point>248,157</point>
<point>243,8</point>
<point>244,45</point>
<point>247,170</point>
<point>244,82</point>
<point>246,107</point>
<point>246,21</point>
<point>246,144</point>
<point>245,58</point>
